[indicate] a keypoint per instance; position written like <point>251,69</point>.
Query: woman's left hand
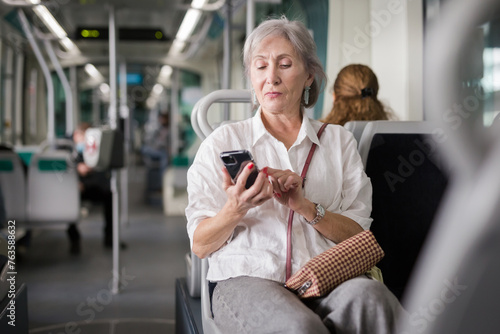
<point>287,187</point>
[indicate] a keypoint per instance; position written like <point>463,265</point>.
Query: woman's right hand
<point>213,232</point>
<point>242,199</point>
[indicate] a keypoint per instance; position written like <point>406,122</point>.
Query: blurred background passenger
<point>94,187</point>
<point>156,142</point>
<point>355,97</point>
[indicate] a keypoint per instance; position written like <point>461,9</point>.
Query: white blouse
<point>335,179</point>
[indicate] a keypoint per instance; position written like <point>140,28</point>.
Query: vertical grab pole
<point>125,114</point>
<point>226,61</point>
<point>8,82</point>
<point>46,73</point>
<point>112,113</point>
<point>18,101</point>
<point>250,16</point>
<point>174,108</point>
<point>74,92</point>
<point>249,28</point>
<point>66,86</point>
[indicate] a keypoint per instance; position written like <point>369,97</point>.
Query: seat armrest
<point>193,274</point>
<point>209,326</point>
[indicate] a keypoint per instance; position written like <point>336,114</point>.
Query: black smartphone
<point>235,161</point>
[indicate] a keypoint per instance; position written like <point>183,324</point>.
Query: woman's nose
<point>272,76</point>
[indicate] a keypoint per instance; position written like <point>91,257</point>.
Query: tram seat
<point>53,193</point>
<point>13,184</point>
<point>356,128</point>
<point>175,198</point>
<point>408,183</point>
<point>379,129</point>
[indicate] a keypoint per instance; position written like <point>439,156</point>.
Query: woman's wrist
<point>233,212</point>
<point>308,210</point>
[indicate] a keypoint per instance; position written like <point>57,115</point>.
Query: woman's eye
<point>285,65</point>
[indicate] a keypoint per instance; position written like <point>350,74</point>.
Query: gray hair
<point>302,42</point>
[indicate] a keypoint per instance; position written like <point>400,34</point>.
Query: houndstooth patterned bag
<point>348,259</point>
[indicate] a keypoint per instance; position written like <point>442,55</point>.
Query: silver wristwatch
<point>320,213</point>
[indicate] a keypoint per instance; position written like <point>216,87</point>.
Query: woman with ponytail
<point>355,97</point>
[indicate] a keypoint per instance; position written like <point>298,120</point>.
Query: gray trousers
<point>256,305</point>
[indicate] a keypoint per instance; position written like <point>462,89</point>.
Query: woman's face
<point>278,76</point>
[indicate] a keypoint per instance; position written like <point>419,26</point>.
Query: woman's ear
<point>310,79</point>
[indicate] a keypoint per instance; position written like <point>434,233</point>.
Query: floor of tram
<point>72,293</point>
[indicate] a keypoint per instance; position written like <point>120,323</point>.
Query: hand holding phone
<point>235,161</point>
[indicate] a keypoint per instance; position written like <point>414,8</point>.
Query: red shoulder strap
<point>290,215</point>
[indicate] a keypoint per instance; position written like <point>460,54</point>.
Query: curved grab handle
<point>199,114</point>
<point>194,120</point>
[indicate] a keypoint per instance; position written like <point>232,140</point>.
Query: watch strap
<point>320,213</point>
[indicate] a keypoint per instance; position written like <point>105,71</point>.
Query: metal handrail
<point>46,73</point>
<point>199,114</point>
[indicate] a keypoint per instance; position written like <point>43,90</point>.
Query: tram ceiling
<point>146,29</point>
<point>86,19</point>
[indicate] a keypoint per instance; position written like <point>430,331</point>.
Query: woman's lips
<point>273,94</point>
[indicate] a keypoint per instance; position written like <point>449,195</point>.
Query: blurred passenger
<point>94,187</point>
<point>156,142</point>
<point>243,232</point>
<point>355,97</point>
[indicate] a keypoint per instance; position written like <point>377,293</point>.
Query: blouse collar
<point>306,130</point>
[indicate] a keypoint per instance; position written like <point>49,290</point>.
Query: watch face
<point>320,213</point>
<point>320,209</point>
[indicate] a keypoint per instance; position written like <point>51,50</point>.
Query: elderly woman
<point>243,232</point>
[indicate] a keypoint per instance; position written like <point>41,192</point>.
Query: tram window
<point>491,79</point>
<point>480,74</point>
<point>480,68</point>
<point>190,94</point>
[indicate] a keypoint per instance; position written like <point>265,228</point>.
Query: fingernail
<point>277,195</point>
<point>250,166</point>
<point>264,170</point>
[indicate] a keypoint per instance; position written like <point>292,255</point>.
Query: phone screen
<point>235,161</point>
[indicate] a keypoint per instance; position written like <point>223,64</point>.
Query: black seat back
<point>408,184</point>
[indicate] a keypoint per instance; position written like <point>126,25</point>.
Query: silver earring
<point>254,97</point>
<point>306,95</point>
